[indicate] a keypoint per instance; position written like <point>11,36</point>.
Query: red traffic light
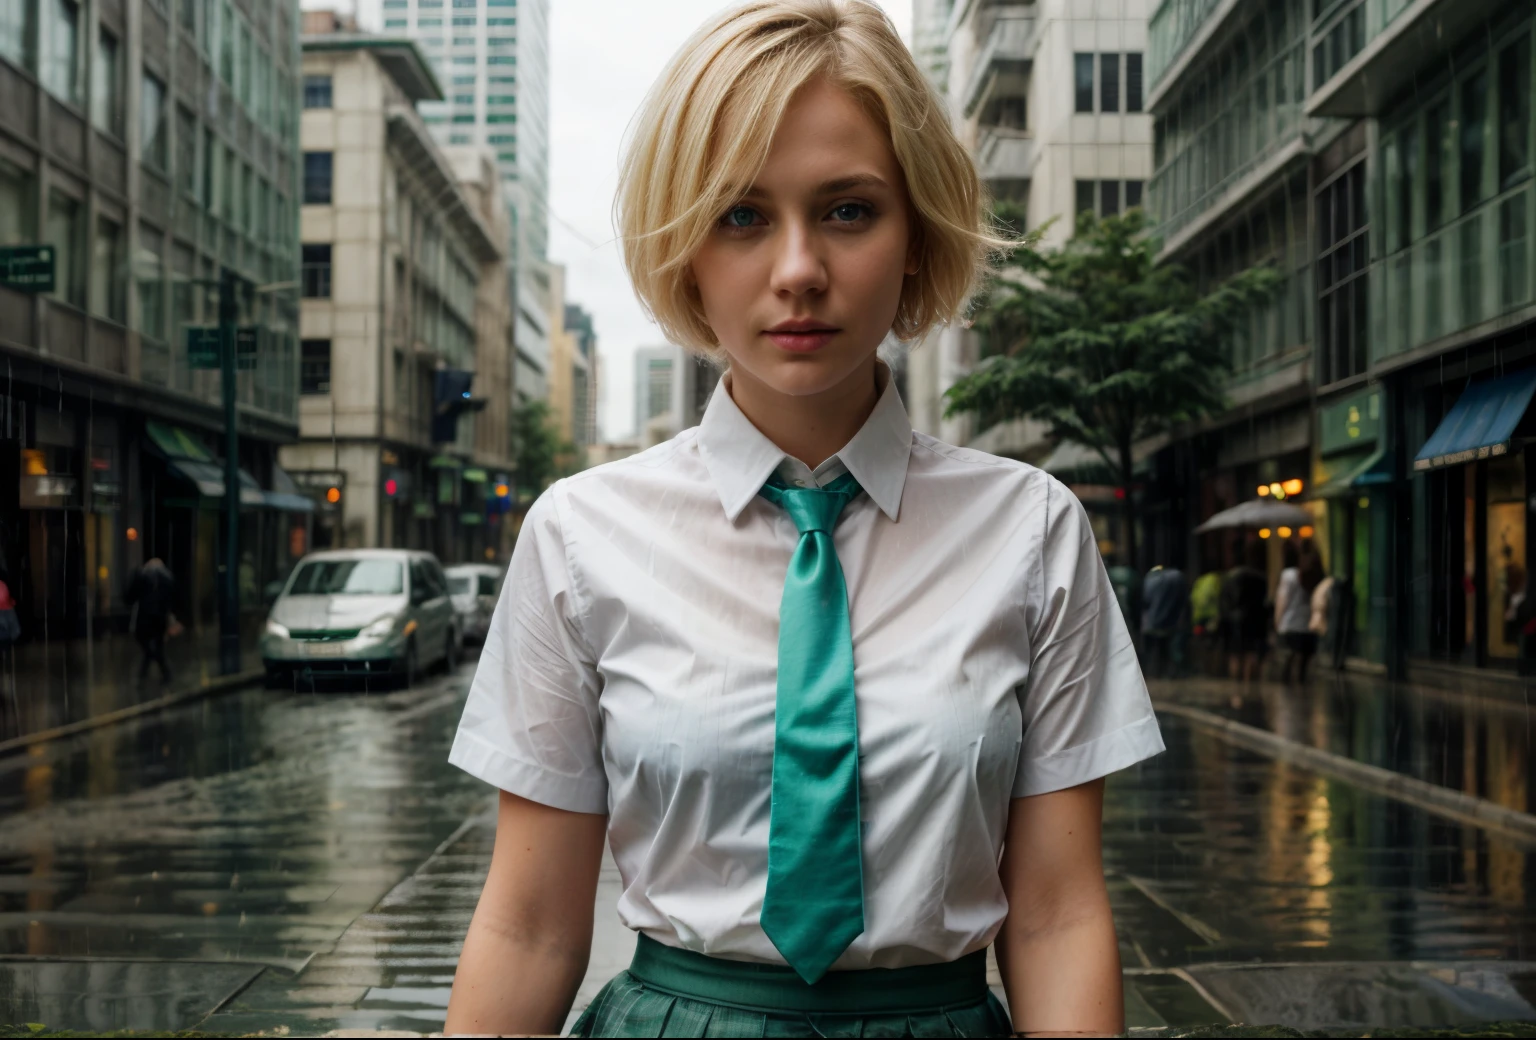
<point>390,487</point>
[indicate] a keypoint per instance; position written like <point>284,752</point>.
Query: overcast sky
<point>604,55</point>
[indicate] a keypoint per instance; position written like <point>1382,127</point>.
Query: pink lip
<point>801,335</point>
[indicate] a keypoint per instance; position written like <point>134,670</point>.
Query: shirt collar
<point>740,458</point>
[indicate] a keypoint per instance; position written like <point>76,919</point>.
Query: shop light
<point>1365,502</point>
<point>1264,532</point>
<point>490,554</point>
<point>132,534</point>
<point>1263,490</point>
<point>1306,532</point>
<point>1284,532</point>
<point>1276,490</point>
<point>1293,486</point>
<point>333,495</point>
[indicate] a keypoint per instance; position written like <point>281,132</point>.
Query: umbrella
<point>1257,513</point>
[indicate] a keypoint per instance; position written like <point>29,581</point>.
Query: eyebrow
<point>837,184</point>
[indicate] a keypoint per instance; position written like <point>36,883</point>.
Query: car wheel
<point>411,670</point>
<point>451,653</point>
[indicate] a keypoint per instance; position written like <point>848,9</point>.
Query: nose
<point>798,266</point>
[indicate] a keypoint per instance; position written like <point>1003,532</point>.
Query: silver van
<point>372,614</point>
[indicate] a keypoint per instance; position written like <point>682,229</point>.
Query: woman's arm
<point>526,951</point>
<point>1057,951</point>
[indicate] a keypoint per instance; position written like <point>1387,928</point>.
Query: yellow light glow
<point>1365,502</point>
<point>1293,486</point>
<point>1263,490</point>
<point>101,574</point>
<point>1264,532</point>
<point>1277,489</point>
<point>1306,532</point>
<point>1285,532</point>
<point>410,626</point>
<point>490,554</point>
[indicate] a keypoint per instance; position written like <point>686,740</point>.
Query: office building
<point>151,147</point>
<point>406,312</point>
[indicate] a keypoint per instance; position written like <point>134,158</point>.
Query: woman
<point>839,696</point>
<point>1244,619</point>
<point>1293,609</point>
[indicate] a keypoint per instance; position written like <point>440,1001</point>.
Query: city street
<point>264,859</point>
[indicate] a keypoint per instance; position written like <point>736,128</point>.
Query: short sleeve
<point>531,725</point>
<point>1085,705</point>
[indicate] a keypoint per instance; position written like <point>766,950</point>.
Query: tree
<point>1104,344</point>
<point>540,454</point>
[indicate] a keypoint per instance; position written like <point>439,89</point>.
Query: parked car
<point>373,614</point>
<point>473,587</point>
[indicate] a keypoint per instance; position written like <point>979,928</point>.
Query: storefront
<point>1352,506</point>
<point>1471,483</point>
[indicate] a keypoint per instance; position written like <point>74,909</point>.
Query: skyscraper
<point>492,58</point>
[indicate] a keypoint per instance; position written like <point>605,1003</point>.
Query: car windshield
<point>348,578</point>
<point>458,585</point>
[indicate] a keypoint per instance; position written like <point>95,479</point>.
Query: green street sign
<point>28,268</point>
<point>246,339</point>
<point>202,346</point>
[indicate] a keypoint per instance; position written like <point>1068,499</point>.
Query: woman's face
<point>800,279</point>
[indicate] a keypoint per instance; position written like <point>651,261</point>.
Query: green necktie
<point>814,906</point>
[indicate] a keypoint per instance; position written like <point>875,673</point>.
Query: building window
<point>1133,194</point>
<point>466,59</point>
<point>315,365</point>
<point>108,272</point>
<point>461,139</point>
<point>1515,112</point>
<point>61,50</point>
<point>1133,82</point>
<point>17,33</point>
<point>18,209</point>
<point>211,155</point>
<point>1342,276</point>
<point>429,23</point>
<point>1082,81</point>
<point>152,121</point>
<point>317,92</point>
<point>1085,199</point>
<point>506,157</point>
<point>464,81</point>
<point>463,99</point>
<point>317,178</point>
<point>187,171</point>
<point>396,23</point>
<point>1109,198</point>
<point>501,41</point>
<point>107,86</point>
<point>1109,82</point>
<point>469,21</point>
<point>66,226</point>
<point>315,272</point>
<point>464,117</point>
<point>231,186</point>
<point>501,117</point>
<point>501,99</point>
<point>501,21</point>
<point>500,59</point>
<point>150,275</point>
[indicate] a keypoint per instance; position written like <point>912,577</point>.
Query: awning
<point>444,462</point>
<point>285,495</point>
<point>1481,423</point>
<point>474,476</point>
<point>1349,473</point>
<point>423,511</point>
<point>176,442</point>
<point>208,478</point>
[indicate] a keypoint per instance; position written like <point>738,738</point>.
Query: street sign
<point>28,268</point>
<point>246,338</point>
<point>202,346</point>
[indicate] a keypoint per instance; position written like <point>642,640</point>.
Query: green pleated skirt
<point>672,992</point>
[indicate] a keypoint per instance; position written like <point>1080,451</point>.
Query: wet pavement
<point>264,859</point>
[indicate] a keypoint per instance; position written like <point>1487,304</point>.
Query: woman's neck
<point>814,427</point>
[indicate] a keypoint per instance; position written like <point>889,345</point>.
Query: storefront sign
<point>202,346</point>
<point>1350,424</point>
<point>28,268</point>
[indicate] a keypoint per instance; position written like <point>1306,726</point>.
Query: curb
<point>1442,801</point>
<point>223,684</point>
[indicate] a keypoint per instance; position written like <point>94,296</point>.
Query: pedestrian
<point>1244,613</point>
<point>1205,614</point>
<point>1164,617</point>
<point>150,594</point>
<point>1300,577</point>
<point>841,728</point>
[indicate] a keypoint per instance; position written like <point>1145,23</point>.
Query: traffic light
<point>451,396</point>
<point>333,494</point>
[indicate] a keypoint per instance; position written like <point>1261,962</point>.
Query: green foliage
<point>542,457</point>
<point>1101,342</point>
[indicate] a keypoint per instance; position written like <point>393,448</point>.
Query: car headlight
<point>381,628</point>
<point>274,629</point>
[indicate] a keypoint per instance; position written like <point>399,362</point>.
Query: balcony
<point>1176,34</point>
<point>1371,50</point>
<point>1004,60</point>
<point>1003,154</point>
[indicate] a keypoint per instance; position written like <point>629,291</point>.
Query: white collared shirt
<point>631,667</point>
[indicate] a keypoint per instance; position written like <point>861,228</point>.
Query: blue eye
<point>740,217</point>
<point>848,212</point>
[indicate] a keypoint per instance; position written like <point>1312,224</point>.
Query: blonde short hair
<point>705,130</point>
